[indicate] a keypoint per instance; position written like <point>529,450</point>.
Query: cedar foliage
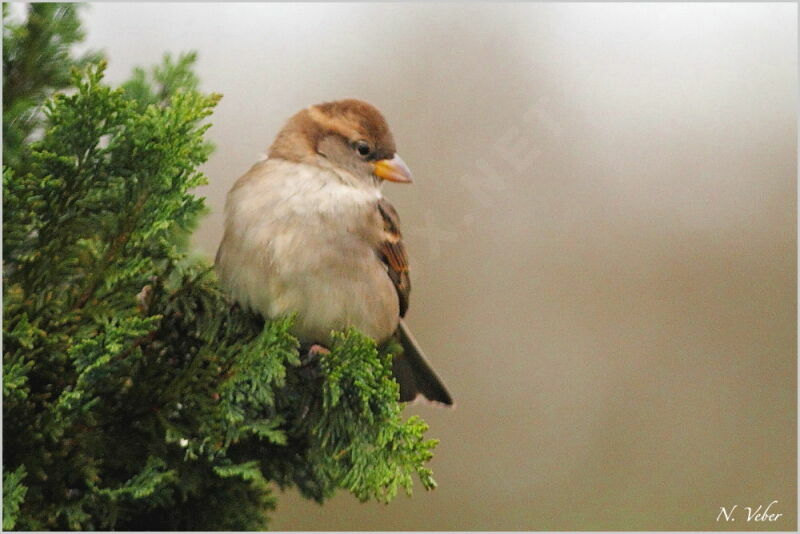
<point>135,397</point>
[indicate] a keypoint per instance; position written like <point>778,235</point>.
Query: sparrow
<point>309,233</point>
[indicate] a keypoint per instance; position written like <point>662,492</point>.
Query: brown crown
<point>351,118</point>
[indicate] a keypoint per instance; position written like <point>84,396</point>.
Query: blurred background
<point>602,235</point>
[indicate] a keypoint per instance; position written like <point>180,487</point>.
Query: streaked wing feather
<point>393,253</point>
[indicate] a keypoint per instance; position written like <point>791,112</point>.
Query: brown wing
<point>392,252</point>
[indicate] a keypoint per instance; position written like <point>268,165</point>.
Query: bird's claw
<point>313,353</point>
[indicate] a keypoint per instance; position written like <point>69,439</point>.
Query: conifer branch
<point>135,396</point>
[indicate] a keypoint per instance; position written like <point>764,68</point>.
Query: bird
<point>309,233</point>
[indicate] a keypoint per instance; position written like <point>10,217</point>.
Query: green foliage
<point>360,439</point>
<point>162,81</point>
<point>13,495</point>
<point>135,396</point>
<point>36,63</point>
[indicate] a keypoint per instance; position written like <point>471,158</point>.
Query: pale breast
<point>297,241</point>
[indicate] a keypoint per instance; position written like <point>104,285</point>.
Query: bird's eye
<point>362,148</point>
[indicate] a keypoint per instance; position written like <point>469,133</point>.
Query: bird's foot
<point>313,353</point>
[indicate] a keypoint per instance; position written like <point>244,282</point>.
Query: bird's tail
<point>414,374</point>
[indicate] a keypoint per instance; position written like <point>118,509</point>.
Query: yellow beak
<point>393,170</point>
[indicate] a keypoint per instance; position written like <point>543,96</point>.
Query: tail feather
<point>414,374</point>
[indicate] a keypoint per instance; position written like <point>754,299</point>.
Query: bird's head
<point>349,136</point>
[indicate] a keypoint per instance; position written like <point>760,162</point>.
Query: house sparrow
<point>308,232</point>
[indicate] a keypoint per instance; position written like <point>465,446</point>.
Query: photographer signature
<point>761,513</point>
